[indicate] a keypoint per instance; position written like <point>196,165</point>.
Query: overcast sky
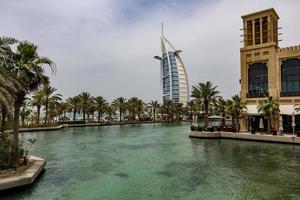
<point>106,47</point>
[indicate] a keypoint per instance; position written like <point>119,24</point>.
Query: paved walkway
<point>26,177</point>
<point>289,139</point>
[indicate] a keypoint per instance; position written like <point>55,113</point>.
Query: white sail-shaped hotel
<point>174,82</point>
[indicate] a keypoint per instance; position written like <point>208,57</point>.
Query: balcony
<point>290,94</point>
<point>257,94</point>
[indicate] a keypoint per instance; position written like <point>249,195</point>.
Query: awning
<point>287,110</point>
<point>215,117</point>
<point>284,110</point>
<point>252,110</point>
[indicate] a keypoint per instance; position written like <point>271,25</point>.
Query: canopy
<point>252,110</point>
<point>284,110</point>
<point>215,117</point>
<point>287,110</point>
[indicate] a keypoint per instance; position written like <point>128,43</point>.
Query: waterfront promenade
<point>287,139</point>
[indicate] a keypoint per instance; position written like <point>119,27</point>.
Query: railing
<point>257,95</point>
<point>289,94</point>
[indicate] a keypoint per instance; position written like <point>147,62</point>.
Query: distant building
<point>174,82</point>
<point>268,69</point>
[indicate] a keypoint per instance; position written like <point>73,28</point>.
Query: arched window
<point>257,80</point>
<point>290,77</point>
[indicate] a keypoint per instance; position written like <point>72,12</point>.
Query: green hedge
<point>5,145</point>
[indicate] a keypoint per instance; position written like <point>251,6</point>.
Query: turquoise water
<point>154,162</point>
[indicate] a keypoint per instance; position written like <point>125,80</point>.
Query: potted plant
<point>199,129</point>
<point>192,128</point>
<point>233,129</point>
<point>273,131</point>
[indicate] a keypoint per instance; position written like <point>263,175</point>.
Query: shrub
<point>192,128</point>
<point>199,129</point>
<point>5,145</point>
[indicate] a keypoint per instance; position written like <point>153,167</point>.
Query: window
<point>290,77</point>
<point>258,78</point>
<point>257,31</point>
<point>249,33</point>
<point>275,30</point>
<point>265,29</point>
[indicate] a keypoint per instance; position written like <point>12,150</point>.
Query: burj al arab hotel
<point>174,81</point>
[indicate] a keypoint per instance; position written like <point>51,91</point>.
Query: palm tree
<point>139,108</point>
<point>205,93</point>
<point>131,108</point>
<point>297,107</point>
<point>4,114</point>
<point>220,107</point>
<point>230,111</point>
<point>85,100</point>
<point>49,97</point>
<point>120,105</point>
<point>28,68</point>
<point>236,107</point>
<point>270,108</point>
<point>135,107</point>
<point>101,105</point>
<point>154,105</point>
<point>38,100</point>
<point>177,109</point>
<point>63,108</point>
<point>194,107</point>
<point>74,103</point>
<point>25,110</point>
<point>110,112</point>
<point>92,108</point>
<point>9,85</point>
<point>167,107</point>
<point>54,108</point>
<point>162,110</point>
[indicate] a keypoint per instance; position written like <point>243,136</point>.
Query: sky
<point>106,47</point>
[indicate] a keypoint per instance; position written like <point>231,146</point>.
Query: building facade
<point>174,81</point>
<point>267,69</point>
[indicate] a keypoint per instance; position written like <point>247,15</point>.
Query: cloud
<point>106,47</point>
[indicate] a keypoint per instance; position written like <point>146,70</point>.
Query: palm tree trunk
<point>23,120</point>
<point>46,114</point>
<point>38,107</point>
<point>83,116</point>
<point>154,115</point>
<point>74,114</point>
<point>206,116</point>
<point>120,115</point>
<point>3,124</point>
<point>15,140</point>
<point>232,120</point>
<point>99,116</point>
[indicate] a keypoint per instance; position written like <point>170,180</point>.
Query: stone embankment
<point>288,139</point>
<point>35,129</point>
<point>26,177</point>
